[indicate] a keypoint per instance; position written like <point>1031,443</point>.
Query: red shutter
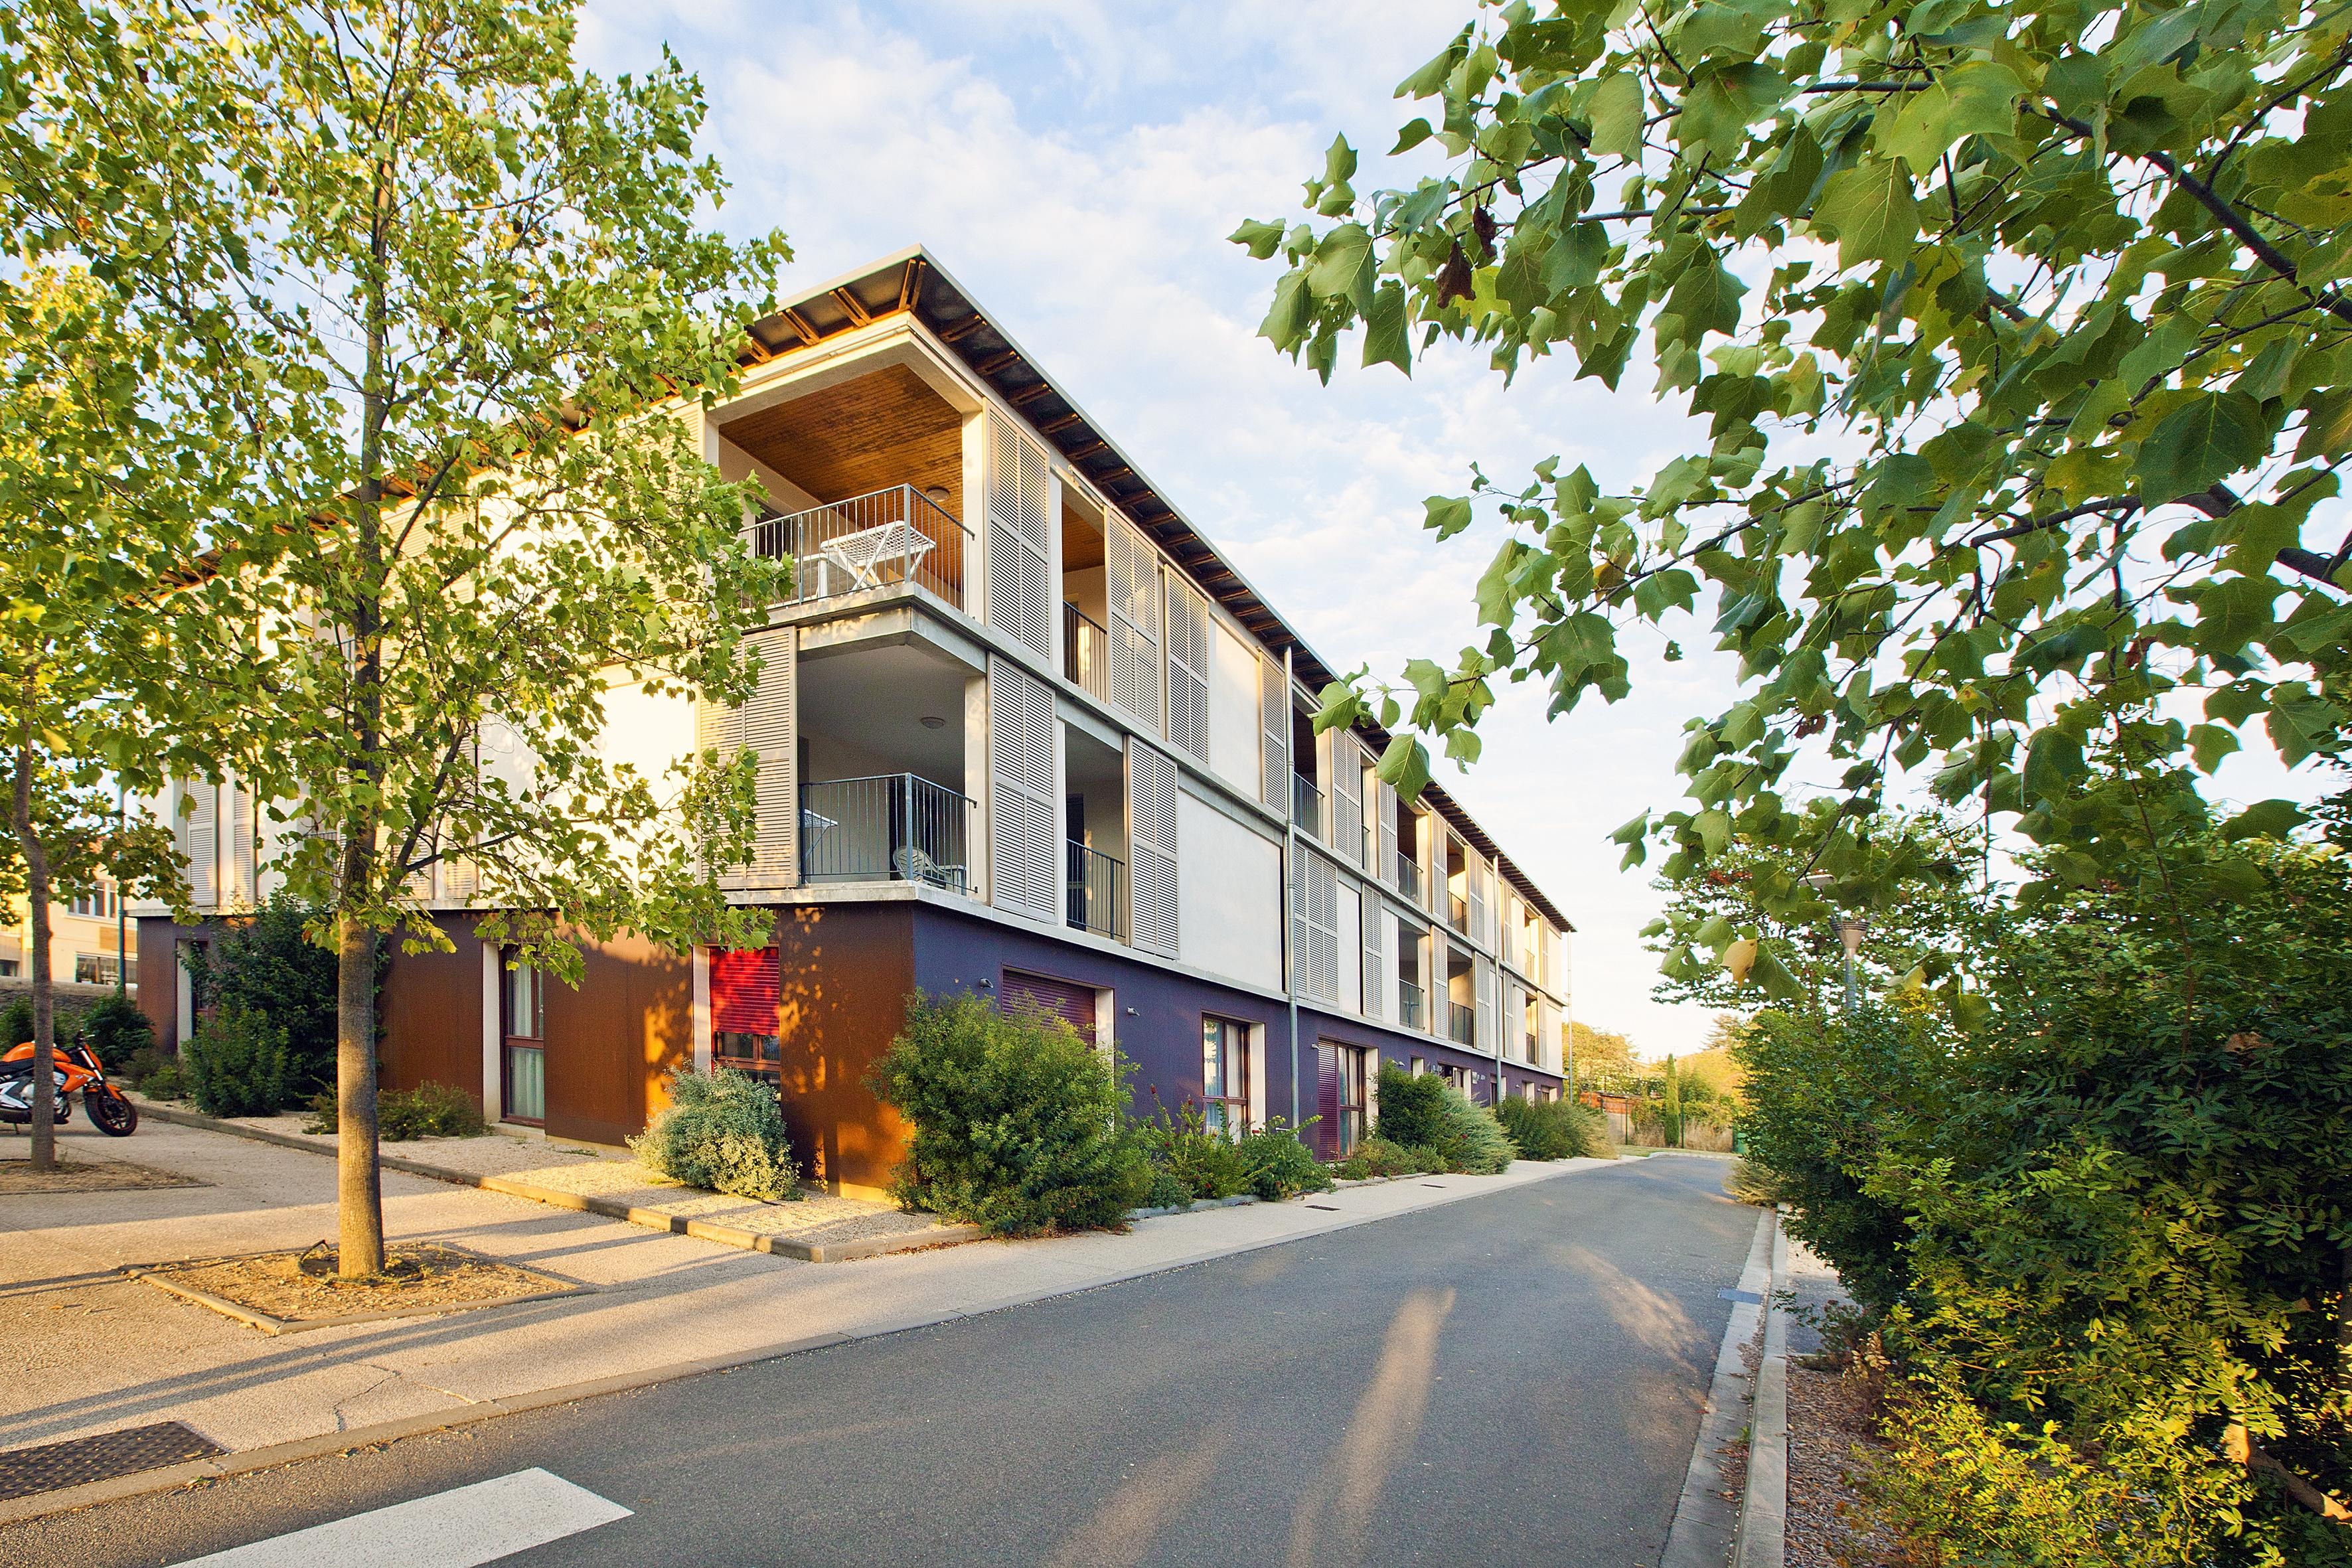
<point>1327,1101</point>
<point>1043,997</point>
<point>746,992</point>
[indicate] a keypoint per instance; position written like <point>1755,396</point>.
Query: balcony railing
<point>1458,914</point>
<point>1306,805</point>
<point>1463,1023</point>
<point>1407,875</point>
<point>1097,892</point>
<point>893,827</point>
<point>1408,1003</point>
<point>1531,1047</point>
<point>883,540</point>
<point>1086,653</point>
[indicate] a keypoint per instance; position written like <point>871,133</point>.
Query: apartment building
<point>1023,729</point>
<point>88,935</point>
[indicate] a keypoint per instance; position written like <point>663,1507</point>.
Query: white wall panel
<point>1232,895</point>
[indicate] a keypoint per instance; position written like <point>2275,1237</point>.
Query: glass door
<point>523,1079</point>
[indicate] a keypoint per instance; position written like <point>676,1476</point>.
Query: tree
<point>1671,1107</point>
<point>1604,1060</point>
<point>487,269</point>
<point>2055,287</point>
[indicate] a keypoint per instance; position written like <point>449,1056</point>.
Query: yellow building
<point>84,939</point>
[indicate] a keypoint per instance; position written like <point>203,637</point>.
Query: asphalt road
<point>1512,1379</point>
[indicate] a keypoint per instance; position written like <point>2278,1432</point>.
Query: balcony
<point>1097,892</point>
<point>1457,912</point>
<point>1306,805</point>
<point>1531,1055</point>
<point>1086,654</point>
<point>1462,1025</point>
<point>886,539</point>
<point>893,827</point>
<point>1409,1001</point>
<point>1408,876</point>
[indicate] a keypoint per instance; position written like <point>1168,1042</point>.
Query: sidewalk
<point>97,1351</point>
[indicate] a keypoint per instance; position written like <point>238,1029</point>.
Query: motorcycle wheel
<point>112,1114</point>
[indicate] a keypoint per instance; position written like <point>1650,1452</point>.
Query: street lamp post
<point>1850,930</point>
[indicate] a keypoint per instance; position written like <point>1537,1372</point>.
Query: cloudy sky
<point>1076,165</point>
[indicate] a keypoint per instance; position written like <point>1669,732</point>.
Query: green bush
<point>428,1110</point>
<point>1377,1157</point>
<point>1549,1129</point>
<point>15,1022</point>
<point>1476,1142</point>
<point>1279,1165</point>
<point>1208,1164</point>
<point>723,1132</point>
<point>1167,1191</point>
<point>236,1066</point>
<point>1411,1108</point>
<point>166,1082</point>
<point>1018,1126</point>
<point>268,965</point>
<point>116,1030</point>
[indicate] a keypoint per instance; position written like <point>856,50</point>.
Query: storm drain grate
<point>1745,1298</point>
<point>79,1460</point>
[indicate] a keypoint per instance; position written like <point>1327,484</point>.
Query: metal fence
<point>1462,1022</point>
<point>893,827</point>
<point>1097,892</point>
<point>890,537</point>
<point>1409,1004</point>
<point>1306,805</point>
<point>1086,653</point>
<point>1408,876</point>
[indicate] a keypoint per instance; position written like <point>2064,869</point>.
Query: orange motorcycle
<point>78,1070</point>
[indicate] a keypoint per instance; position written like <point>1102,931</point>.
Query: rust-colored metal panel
<point>159,979</point>
<point>847,970</point>
<point>610,1040</point>
<point>429,1014</point>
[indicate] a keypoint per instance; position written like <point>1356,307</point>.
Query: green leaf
<point>1404,767</point>
<point>1342,266</point>
<point>1263,239</point>
<point>1386,340</point>
<point>1447,516</point>
<point>2266,819</point>
<point>2209,743</point>
<point>2204,441</point>
<point>1616,113</point>
<point>1871,210</point>
<point>2054,763</point>
<point>1976,98</point>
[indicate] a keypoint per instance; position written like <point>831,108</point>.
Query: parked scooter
<point>78,1070</point>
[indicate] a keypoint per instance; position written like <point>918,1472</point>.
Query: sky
<point>1076,166</point>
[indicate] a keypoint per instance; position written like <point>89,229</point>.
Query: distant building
<point>83,934</point>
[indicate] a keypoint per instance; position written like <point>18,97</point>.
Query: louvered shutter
<point>1274,722</point>
<point>1152,903</point>
<point>196,829</point>
<point>1023,841</point>
<point>1042,996</point>
<point>1347,804</point>
<point>1377,968</point>
<point>746,992</point>
<point>1315,927</point>
<point>1384,853</point>
<point>1188,668</point>
<point>1327,1101</point>
<point>237,816</point>
<point>1482,1031</point>
<point>1476,880</point>
<point>1020,600</point>
<point>1131,572</point>
<point>767,723</point>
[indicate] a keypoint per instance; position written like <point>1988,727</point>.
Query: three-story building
<point>1022,730</point>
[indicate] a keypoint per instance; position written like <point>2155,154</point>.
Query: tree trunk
<point>358,1181</point>
<point>36,895</point>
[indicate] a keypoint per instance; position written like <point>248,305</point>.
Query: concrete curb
<point>608,1208</point>
<point>197,1472</point>
<point>1764,1505</point>
<point>1706,1524</point>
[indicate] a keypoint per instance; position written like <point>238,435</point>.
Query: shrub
<point>428,1110</point>
<point>1019,1126</point>
<point>268,966</point>
<point>1279,1165</point>
<point>1476,1144</point>
<point>1377,1157</point>
<point>166,1082</point>
<point>1549,1129</point>
<point>236,1066</point>
<point>1208,1164</point>
<point>144,1065</point>
<point>1412,1108</point>
<point>724,1132</point>
<point>15,1022</point>
<point>116,1030</point>
<point>1167,1191</point>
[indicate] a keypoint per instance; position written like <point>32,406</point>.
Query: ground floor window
<point>96,968</point>
<point>754,1055</point>
<point>1225,1074</point>
<point>1341,1073</point>
<point>1048,1000</point>
<point>747,1013</point>
<point>522,1095</point>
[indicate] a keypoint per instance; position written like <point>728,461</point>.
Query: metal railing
<point>1463,1022</point>
<point>1097,892</point>
<point>893,827</point>
<point>1306,805</point>
<point>1408,876</point>
<point>1531,1047</point>
<point>1409,1004</point>
<point>1457,912</point>
<point>1086,653</point>
<point>887,538</point>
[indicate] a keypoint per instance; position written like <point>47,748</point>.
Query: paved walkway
<point>93,1351</point>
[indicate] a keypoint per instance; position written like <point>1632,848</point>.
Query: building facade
<point>88,936</point>
<point>1022,730</point>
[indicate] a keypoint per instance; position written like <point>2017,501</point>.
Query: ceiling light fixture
<point>933,722</point>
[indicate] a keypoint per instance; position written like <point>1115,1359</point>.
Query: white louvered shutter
<point>1019,571</point>
<point>237,818</point>
<point>1131,572</point>
<point>1482,1032</point>
<point>717,727</point>
<point>1153,906</point>
<point>1188,632</point>
<point>1384,851</point>
<point>1274,722</point>
<point>1315,926</point>
<point>768,724</point>
<point>1347,804</point>
<point>1023,842</point>
<point>196,832</point>
<point>1377,968</point>
<point>1477,884</point>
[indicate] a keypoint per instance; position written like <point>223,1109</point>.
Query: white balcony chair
<point>862,555</point>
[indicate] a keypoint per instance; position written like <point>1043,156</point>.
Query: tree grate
<point>80,1460</point>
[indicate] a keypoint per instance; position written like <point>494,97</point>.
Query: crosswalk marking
<point>456,1528</point>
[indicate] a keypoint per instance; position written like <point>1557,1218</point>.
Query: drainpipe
<point>121,920</point>
<point>1289,929</point>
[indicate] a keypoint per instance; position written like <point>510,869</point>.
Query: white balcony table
<point>863,554</point>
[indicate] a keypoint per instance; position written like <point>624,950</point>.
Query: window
<point>754,1055</point>
<point>101,905</point>
<point>1225,1074</point>
<point>1340,1074</point>
<point>746,991</point>
<point>96,968</point>
<point>523,1092</point>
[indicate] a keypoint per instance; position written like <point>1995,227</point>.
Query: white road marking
<point>456,1528</point>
